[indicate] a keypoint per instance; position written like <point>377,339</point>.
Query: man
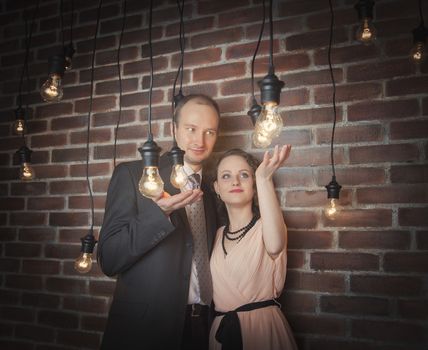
<point>149,245</point>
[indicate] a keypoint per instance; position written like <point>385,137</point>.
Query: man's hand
<point>170,203</point>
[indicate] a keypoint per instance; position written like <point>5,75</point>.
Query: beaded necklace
<point>238,234</point>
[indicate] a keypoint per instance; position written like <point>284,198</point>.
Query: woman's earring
<point>218,196</point>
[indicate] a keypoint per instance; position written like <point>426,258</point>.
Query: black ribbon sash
<point>229,329</point>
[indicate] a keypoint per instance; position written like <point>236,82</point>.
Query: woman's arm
<point>274,228</point>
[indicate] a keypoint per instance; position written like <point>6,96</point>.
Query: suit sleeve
<point>127,234</point>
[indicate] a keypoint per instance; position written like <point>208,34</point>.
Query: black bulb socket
<point>88,243</point>
<point>364,9</point>
<point>177,155</point>
<point>69,51</point>
<point>178,98</point>
<point>333,188</point>
<point>19,113</point>
<point>24,154</point>
<point>270,88</point>
<point>56,65</point>
<point>420,34</point>
<point>254,112</point>
<point>150,153</point>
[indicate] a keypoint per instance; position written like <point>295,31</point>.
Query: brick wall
<point>357,283</point>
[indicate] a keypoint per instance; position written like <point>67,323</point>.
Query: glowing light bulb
<point>26,172</point>
<point>83,263</point>
<point>366,32</point>
<point>151,184</point>
<point>418,53</point>
<point>178,176</point>
<point>269,122</point>
<point>19,126</point>
<point>51,90</point>
<point>332,209</point>
<point>261,140</point>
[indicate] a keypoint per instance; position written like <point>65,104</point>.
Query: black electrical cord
<point>271,67</point>
<point>120,83</point>
<point>61,21</point>
<point>334,87</point>
<point>420,13</point>
<point>255,52</point>
<point>89,116</point>
<point>71,22</point>
<point>150,135</point>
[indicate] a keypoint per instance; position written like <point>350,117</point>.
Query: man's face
<point>196,132</point>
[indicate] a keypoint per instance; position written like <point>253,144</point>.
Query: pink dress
<point>248,274</point>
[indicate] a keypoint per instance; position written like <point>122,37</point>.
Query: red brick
<point>10,143</point>
<point>95,169</point>
<point>81,202</point>
<point>413,216</point>
<point>288,177</point>
<point>64,251</point>
<point>46,203</point>
<point>100,185</point>
<point>112,87</point>
<point>209,89</point>
<point>208,7</point>
<point>67,123</point>
<point>134,37</point>
<point>345,54</point>
<point>344,261</point>
<point>390,331</point>
<point>314,156</point>
<point>383,110</point>
<point>72,235</point>
<point>86,304</point>
<point>320,325</point>
<point>394,27</point>
<point>314,39</point>
<point>239,51</point>
<point>393,194</point>
<point>300,219</point>
<point>413,309</point>
<point>353,92</point>
<point>115,25</point>
<point>361,218</point>
<point>409,130</point>
<point>295,97</point>
<point>78,339</point>
<point>228,142</point>
<point>216,37</point>
<point>406,262</point>
<point>51,171</point>
<point>295,259</point>
<point>123,151</point>
<point>219,72</point>
<point>238,86</point>
<point>383,153</point>
<point>100,73</point>
<point>298,7</point>
<point>49,140</point>
<point>142,98</point>
<point>407,86</point>
<point>17,314</point>
<point>231,104</point>
<point>318,77</point>
<point>353,176</point>
<point>190,26</point>
<point>293,137</point>
<point>164,79</point>
<point>397,47</point>
<point>23,282</point>
<point>40,300</point>
<point>99,104</point>
<point>387,285</point>
<point>94,323</point>
<point>41,267</point>
<point>103,43</point>
<point>65,285</point>
<point>68,155</point>
<point>354,305</point>
<point>111,118</point>
<point>95,136</point>
<point>68,219</point>
<point>380,70</point>
<point>311,116</point>
<point>143,66</point>
<point>35,234</point>
<point>9,265</point>
<point>350,134</point>
<point>27,219</point>
<point>58,319</point>
<point>321,20</point>
<point>160,48</point>
<point>305,198</point>
<point>73,92</point>
<point>366,239</point>
<point>207,55</point>
<point>235,124</point>
<point>158,112</point>
<point>298,302</point>
<point>102,288</point>
<point>422,240</point>
<point>106,12</point>
<point>67,187</point>
<point>309,239</point>
<point>10,203</point>
<point>53,110</point>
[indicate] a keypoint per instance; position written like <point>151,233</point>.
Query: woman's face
<point>235,181</point>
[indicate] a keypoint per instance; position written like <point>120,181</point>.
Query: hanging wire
<point>89,116</point>
<point>71,22</point>
<point>150,135</point>
<point>420,13</point>
<point>255,52</point>
<point>271,67</point>
<point>116,130</point>
<point>180,68</point>
<point>334,87</point>
<point>61,20</point>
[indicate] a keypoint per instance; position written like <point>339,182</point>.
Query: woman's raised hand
<point>270,164</point>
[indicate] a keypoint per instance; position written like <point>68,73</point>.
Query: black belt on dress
<point>229,329</point>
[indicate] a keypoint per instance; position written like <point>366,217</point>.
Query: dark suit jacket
<point>151,257</point>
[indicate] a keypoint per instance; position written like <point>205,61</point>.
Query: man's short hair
<point>199,99</point>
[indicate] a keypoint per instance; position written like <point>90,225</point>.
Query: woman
<point>248,263</point>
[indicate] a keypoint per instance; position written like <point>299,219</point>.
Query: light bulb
<point>366,32</point>
<point>51,90</point>
<point>261,140</point>
<point>178,176</point>
<point>269,122</point>
<point>68,63</point>
<point>332,209</point>
<point>83,263</point>
<point>26,172</point>
<point>418,52</point>
<point>19,126</point>
<point>151,184</point>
